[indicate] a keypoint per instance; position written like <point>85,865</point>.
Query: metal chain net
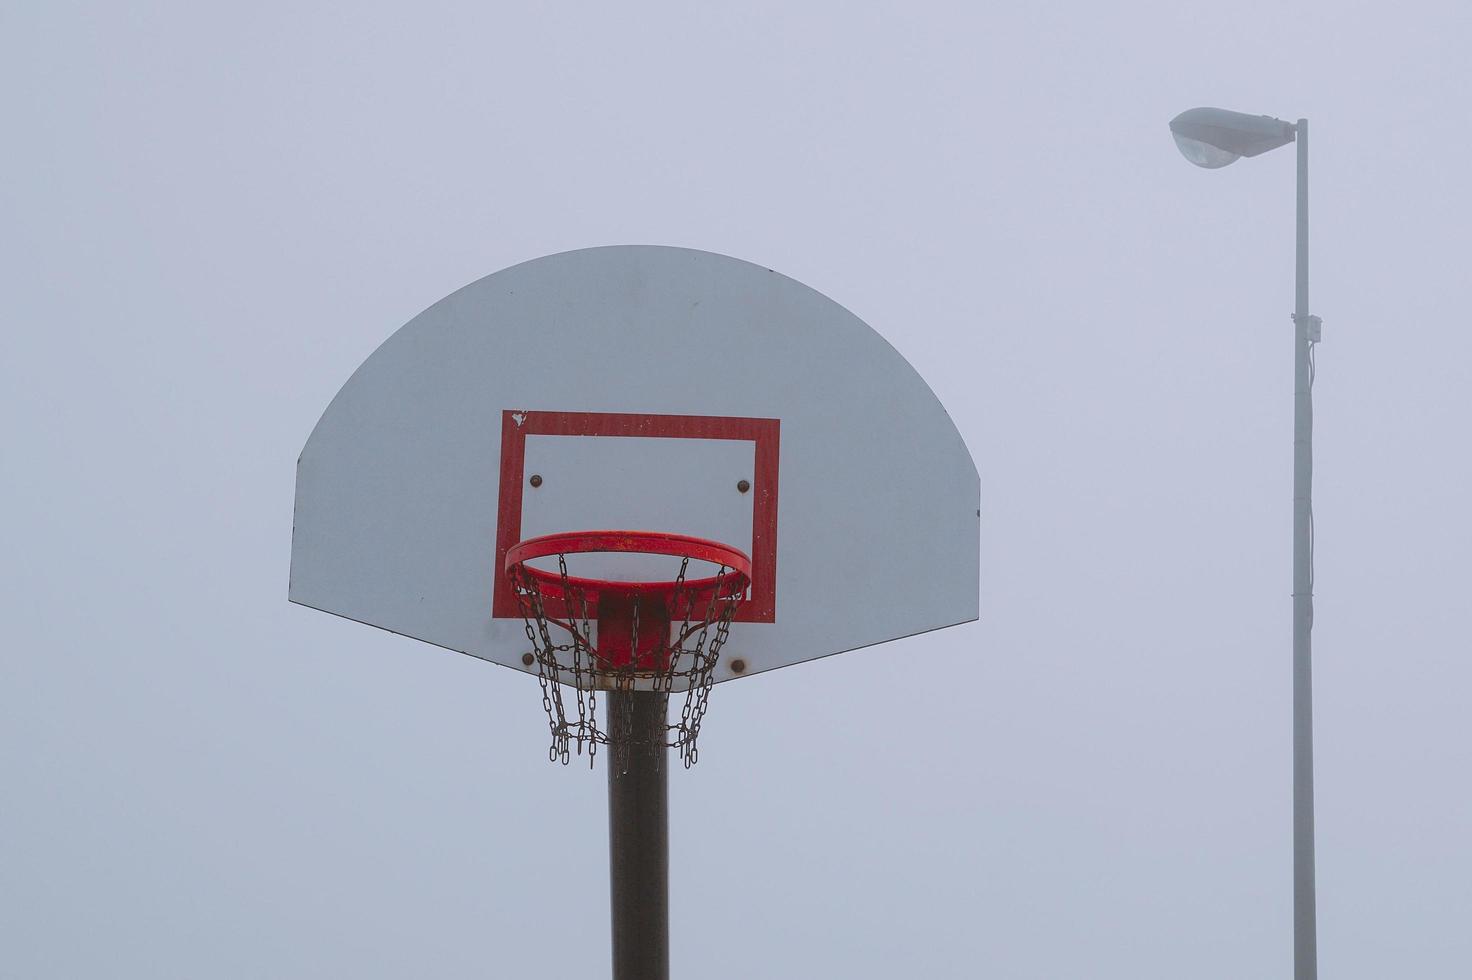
<point>699,622</point>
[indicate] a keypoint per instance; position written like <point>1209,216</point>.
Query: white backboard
<point>640,388</point>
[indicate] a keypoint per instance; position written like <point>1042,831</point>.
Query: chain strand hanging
<point>683,661</point>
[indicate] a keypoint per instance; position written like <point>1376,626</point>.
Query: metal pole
<point>1305,939</point>
<point>638,841</point>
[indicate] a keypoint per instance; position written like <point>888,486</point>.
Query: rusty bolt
<point>743,486</point>
<point>536,479</point>
<point>738,666</point>
<point>528,659</point>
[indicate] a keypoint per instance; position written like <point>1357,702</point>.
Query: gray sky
<point>213,213</point>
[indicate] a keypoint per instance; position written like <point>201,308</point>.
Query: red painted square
<point>761,604</point>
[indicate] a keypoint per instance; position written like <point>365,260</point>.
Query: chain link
<point>689,660</point>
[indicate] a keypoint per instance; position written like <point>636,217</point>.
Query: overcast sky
<point>210,214</point>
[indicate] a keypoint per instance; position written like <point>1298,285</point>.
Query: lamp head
<point>1213,138</point>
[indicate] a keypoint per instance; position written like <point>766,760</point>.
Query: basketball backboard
<point>648,388</point>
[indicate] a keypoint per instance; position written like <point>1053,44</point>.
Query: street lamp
<point>1213,138</point>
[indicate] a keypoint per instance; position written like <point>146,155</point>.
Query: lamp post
<point>1213,138</point>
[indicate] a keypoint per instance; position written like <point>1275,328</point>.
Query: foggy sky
<point>213,213</point>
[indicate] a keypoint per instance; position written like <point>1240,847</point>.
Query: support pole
<point>638,842</point>
<point>1305,930</point>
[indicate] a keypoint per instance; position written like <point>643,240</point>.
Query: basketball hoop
<point>597,634</point>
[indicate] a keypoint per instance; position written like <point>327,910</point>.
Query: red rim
<point>634,542</point>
